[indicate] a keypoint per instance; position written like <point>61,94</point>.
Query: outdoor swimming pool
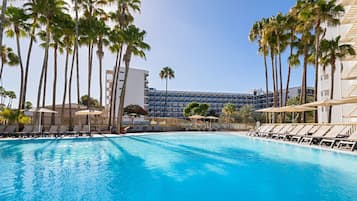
<point>176,166</point>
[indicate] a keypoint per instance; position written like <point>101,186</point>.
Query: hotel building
<point>137,87</point>
<point>178,100</point>
<point>345,78</point>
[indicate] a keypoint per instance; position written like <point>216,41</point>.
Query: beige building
<point>345,84</point>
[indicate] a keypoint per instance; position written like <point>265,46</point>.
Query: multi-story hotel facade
<point>345,76</point>
<point>136,90</point>
<point>178,100</point>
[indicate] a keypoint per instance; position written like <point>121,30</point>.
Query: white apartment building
<point>136,88</point>
<point>345,82</point>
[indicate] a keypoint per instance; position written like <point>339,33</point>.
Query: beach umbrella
<point>210,118</point>
<point>323,103</point>
<point>268,110</point>
<point>41,110</point>
<point>88,113</point>
<point>196,117</point>
<point>295,108</point>
<point>348,100</point>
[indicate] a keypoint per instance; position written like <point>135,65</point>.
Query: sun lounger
<point>2,129</point>
<point>26,132</point>
<point>351,140</point>
<point>283,131</point>
<point>308,129</point>
<point>317,135</point>
<point>293,132</point>
<point>332,136</point>
<point>52,131</point>
<point>9,131</point>
<point>62,131</point>
<point>257,130</point>
<point>273,131</point>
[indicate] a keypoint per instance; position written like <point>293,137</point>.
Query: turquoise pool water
<point>178,167</point>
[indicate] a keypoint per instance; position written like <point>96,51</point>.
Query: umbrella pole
<point>89,123</point>
<point>39,123</point>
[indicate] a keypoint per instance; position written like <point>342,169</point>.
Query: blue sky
<point>205,42</point>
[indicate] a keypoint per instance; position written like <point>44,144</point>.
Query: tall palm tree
<point>293,60</point>
<point>16,20</point>
<point>33,8</point>
<point>49,8</point>
<point>319,12</point>
<point>102,33</point>
<point>256,34</point>
<point>304,28</point>
<point>68,41</point>
<point>123,18</point>
<point>167,73</point>
<point>135,45</point>
<point>331,51</point>
<point>269,38</point>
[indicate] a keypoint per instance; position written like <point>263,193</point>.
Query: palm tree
<point>135,45</point>
<point>228,110</point>
<point>33,7</point>
<point>269,39</point>
<point>123,18</point>
<point>167,73</point>
<point>8,57</point>
<point>328,12</point>
<point>331,51</point>
<point>256,34</point>
<point>293,60</point>
<point>68,41</point>
<point>102,33</point>
<point>49,9</point>
<point>11,95</point>
<point>16,20</point>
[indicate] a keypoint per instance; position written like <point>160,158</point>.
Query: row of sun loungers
<point>30,131</point>
<point>340,136</point>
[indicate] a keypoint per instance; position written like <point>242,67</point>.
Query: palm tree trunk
<point>89,73</point>
<point>332,88</point>
<point>127,58</point>
<point>21,66</point>
<point>116,83</point>
<point>282,115</point>
<point>65,85</point>
<point>266,86</point>
<point>112,92</point>
<point>76,49</point>
<point>101,81</point>
<point>54,91</point>
<point>303,83</point>
<point>289,72</point>
<point>317,46</point>
<point>28,63</point>
<point>165,114</point>
<point>274,83</point>
<point>70,86</point>
<point>3,10</point>
<point>44,66</point>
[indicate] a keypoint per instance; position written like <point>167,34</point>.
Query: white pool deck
<point>240,133</point>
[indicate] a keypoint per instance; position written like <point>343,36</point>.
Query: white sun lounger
<point>283,131</point>
<point>331,136</point>
<point>303,132</point>
<point>351,140</point>
<point>317,135</point>
<point>292,132</point>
